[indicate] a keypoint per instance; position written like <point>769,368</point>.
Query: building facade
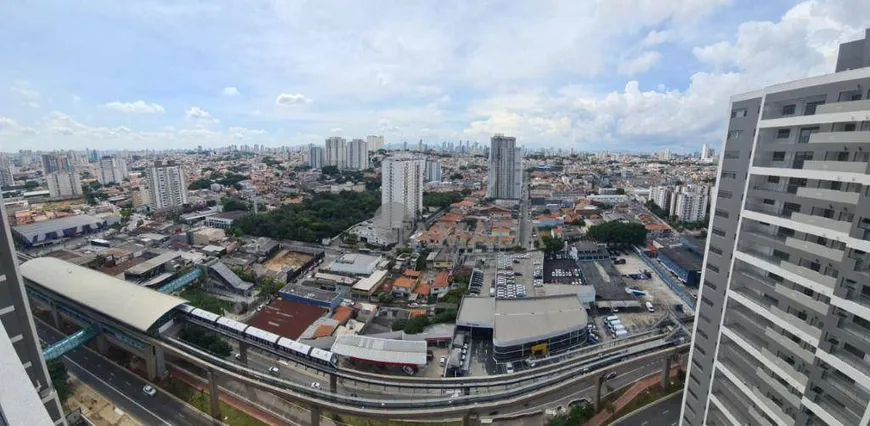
<point>315,156</point>
<point>167,187</point>
<point>21,359</point>
<point>336,152</point>
<point>691,203</point>
<point>402,179</point>
<point>112,170</point>
<point>375,143</point>
<point>505,168</point>
<point>433,170</point>
<point>6,175</point>
<point>63,184</point>
<point>782,330</point>
<point>357,155</point>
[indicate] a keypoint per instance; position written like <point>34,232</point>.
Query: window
<point>707,283</point>
<point>698,348</point>
<point>739,113</point>
<point>783,133</point>
<point>773,179</point>
<point>725,194</point>
<point>713,268</point>
<point>702,334</point>
<point>719,232</point>
<point>722,213</point>
<point>811,107</point>
<point>850,127</point>
<point>779,156</point>
<point>768,201</point>
<point>734,134</point>
<point>732,154</point>
<point>707,302</point>
<point>788,109</point>
<point>804,135</point>
<point>716,250</point>
<point>705,318</point>
<point>729,175</point>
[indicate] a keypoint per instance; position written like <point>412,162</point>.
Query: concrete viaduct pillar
<point>315,415</point>
<point>666,373</point>
<point>214,398</point>
<point>55,318</point>
<point>102,344</point>
<point>469,419</point>
<point>155,363</point>
<point>333,383</point>
<point>243,352</point>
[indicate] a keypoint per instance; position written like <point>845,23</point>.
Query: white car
<point>274,371</point>
<point>149,390</point>
<point>509,369</point>
<point>315,385</point>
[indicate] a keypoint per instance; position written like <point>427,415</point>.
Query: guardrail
<point>666,277</point>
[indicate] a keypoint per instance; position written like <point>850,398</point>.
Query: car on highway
<point>237,356</point>
<point>611,375</point>
<point>509,368</point>
<point>315,385</point>
<point>149,390</point>
<point>274,371</point>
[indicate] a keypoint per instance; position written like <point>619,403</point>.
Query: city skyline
<point>613,86</point>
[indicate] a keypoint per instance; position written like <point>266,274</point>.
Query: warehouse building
<point>56,230</point>
<point>525,328</point>
<point>683,263</point>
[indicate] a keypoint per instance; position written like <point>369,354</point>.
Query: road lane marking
<point>128,383</point>
<point>117,390</point>
<point>666,411</point>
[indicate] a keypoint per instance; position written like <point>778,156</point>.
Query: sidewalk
<point>636,389</point>
<point>227,399</point>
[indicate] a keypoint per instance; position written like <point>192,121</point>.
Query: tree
<point>620,191</point>
<point>207,340</point>
<point>211,203</point>
<point>579,222</point>
<point>552,244</point>
<point>456,176</point>
<point>30,185</point>
<point>234,204</point>
<point>201,183</point>
<point>330,170</point>
<point>59,378</point>
<point>385,297</point>
<point>421,260</point>
<point>416,325</point>
<point>399,324</point>
<point>441,199</point>
<point>618,233</point>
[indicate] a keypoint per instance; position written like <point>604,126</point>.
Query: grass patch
<point>648,396</point>
<point>361,421</point>
<point>202,402</point>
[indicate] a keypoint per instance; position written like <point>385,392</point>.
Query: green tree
<point>441,199</point>
<point>207,340</point>
<point>201,183</point>
<point>416,325</point>
<point>399,324</point>
<point>211,203</point>
<point>620,191</point>
<point>579,222</point>
<point>385,297</point>
<point>30,185</point>
<point>59,378</point>
<point>618,233</point>
<point>330,170</point>
<point>552,244</point>
<point>231,204</point>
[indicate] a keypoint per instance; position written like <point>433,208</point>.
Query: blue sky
<point>638,75</point>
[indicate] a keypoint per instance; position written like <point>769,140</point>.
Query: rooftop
<point>125,302</point>
<point>381,350</point>
<point>36,229</point>
<point>682,257</point>
<point>607,281</point>
<point>476,312</point>
<point>286,318</point>
<point>519,321</point>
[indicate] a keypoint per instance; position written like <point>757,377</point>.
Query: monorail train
<point>263,337</point>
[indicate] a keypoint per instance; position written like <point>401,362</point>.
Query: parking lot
<point>508,281</point>
<point>561,269</point>
<point>658,293</point>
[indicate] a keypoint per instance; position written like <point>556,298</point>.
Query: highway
<point>123,388</point>
<point>665,413</point>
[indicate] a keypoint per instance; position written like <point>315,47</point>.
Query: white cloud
<point>7,124</point>
<point>291,99</point>
<point>25,90</point>
<point>200,116</point>
<point>655,38</point>
<point>336,130</point>
<point>230,91</point>
<point>33,104</point>
<point>640,64</point>
<point>137,107</point>
<point>245,133</point>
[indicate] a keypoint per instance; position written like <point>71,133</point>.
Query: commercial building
<point>402,187</point>
<point>315,156</point>
<point>379,351</point>
<point>6,176</point>
<point>783,319</point>
<point>505,168</point>
<point>167,187</point>
<point>112,170</point>
<point>27,396</point>
<point>683,263</point>
<point>375,143</point>
<point>223,220</point>
<point>523,328</point>
<point>355,264</point>
<point>336,152</point>
<point>357,155</point>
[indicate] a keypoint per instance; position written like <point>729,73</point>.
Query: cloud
<point>138,107</point>
<point>291,99</point>
<point>33,104</point>
<point>655,38</point>
<point>7,124</point>
<point>25,90</point>
<point>230,91</point>
<point>640,64</point>
<point>200,116</point>
<point>336,130</point>
<point>245,133</point>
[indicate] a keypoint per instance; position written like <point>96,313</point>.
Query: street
<point>665,412</point>
<point>123,388</point>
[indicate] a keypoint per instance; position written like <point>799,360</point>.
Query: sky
<point>592,75</point>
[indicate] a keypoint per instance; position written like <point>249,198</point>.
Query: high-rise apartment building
<point>357,155</point>
<point>505,175</point>
<point>6,175</point>
<point>402,179</point>
<point>433,170</point>
<point>375,143</point>
<point>782,328</point>
<point>27,396</point>
<point>64,184</point>
<point>52,163</point>
<point>167,187</point>
<point>691,203</point>
<point>336,152</point>
<point>315,156</point>
<point>111,170</point>
<point>706,153</point>
<point>661,195</point>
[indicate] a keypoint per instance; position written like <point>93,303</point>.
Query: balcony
<point>840,138</point>
<point>836,166</point>
<point>829,195</point>
<point>822,222</point>
<point>789,345</point>
<point>850,360</point>
<point>847,388</point>
<point>776,386</point>
<point>817,277</point>
<point>754,277</point>
<point>856,331</point>
<point>815,249</point>
<point>798,323</point>
<point>842,415</point>
<point>802,299</point>
<point>851,106</point>
<point>731,405</point>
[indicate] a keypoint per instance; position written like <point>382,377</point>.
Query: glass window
<point>734,134</point>
<point>811,107</point>
<point>738,113</point>
<point>779,156</point>
<point>783,133</point>
<point>788,109</point>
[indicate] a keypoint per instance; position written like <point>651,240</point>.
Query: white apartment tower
<point>61,176</point>
<point>433,170</point>
<point>167,187</point>
<point>315,156</point>
<point>706,153</point>
<point>336,152</point>
<point>375,143</point>
<point>505,173</point>
<point>402,179</point>
<point>6,175</point>
<point>111,170</point>
<point>661,195</point>
<point>782,328</point>
<point>691,203</point>
<point>357,155</point>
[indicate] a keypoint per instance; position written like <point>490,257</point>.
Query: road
<point>665,412</point>
<point>123,388</point>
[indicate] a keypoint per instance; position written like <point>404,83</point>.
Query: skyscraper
<point>111,170</point>
<point>706,153</point>
<point>167,187</point>
<point>61,176</point>
<point>782,328</point>
<point>336,152</point>
<point>691,203</point>
<point>315,156</point>
<point>505,168</point>
<point>402,179</point>
<point>357,155</point>
<point>433,170</point>
<point>375,143</point>
<point>6,176</point>
<point>27,396</point>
